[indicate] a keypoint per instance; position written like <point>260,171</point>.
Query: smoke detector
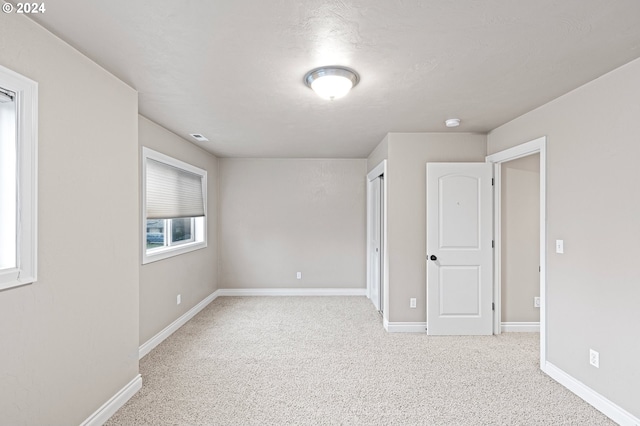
<point>452,122</point>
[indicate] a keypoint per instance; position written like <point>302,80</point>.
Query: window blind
<point>6,96</point>
<point>172,192</point>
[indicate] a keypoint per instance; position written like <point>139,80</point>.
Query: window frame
<point>26,99</point>
<point>170,250</point>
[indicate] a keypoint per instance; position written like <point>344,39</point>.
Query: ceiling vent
<point>199,137</point>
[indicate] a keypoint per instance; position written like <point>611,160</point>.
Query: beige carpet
<point>327,360</point>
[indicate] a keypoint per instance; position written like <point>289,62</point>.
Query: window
<point>174,197</point>
<point>18,148</point>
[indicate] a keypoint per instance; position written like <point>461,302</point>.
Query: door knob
<point>433,257</point>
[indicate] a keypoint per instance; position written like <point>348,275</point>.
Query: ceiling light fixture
<point>331,82</point>
<point>452,122</point>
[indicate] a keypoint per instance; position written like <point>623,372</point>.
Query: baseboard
<point>109,408</point>
<point>171,328</point>
<point>405,327</point>
<point>292,292</point>
<point>520,327</point>
<point>602,404</point>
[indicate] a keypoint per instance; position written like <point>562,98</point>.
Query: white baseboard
<point>171,328</point>
<point>520,327</point>
<point>608,408</point>
<point>405,327</point>
<point>109,408</point>
<point>292,292</point>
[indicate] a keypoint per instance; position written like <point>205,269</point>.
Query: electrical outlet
<point>412,302</point>
<point>299,275</point>
<point>178,300</point>
<point>594,358</point>
<point>536,302</point>
<point>559,246</point>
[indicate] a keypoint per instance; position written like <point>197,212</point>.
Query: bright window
<point>174,206</point>
<point>18,148</point>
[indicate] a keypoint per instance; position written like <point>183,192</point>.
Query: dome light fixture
<point>331,82</point>
<point>452,122</point>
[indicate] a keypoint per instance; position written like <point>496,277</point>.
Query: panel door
<point>459,249</point>
<point>375,250</point>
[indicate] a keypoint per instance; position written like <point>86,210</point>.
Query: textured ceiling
<point>233,70</point>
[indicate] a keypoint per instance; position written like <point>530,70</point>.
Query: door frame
<point>376,172</point>
<point>536,146</point>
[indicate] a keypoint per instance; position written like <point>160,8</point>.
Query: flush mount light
<point>452,122</point>
<point>331,82</point>
<point>198,137</point>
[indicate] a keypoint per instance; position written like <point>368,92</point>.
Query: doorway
<point>377,287</point>
<point>537,146</point>
<point>520,244</point>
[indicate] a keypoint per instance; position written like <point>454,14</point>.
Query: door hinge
<point>492,182</point>
<point>539,268</point>
<point>493,244</point>
<point>493,306</point>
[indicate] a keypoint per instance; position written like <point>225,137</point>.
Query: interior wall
<point>193,275</point>
<point>593,204</point>
<point>282,216</point>
<point>520,180</point>
<point>70,341</point>
<point>380,152</point>
<point>407,198</point>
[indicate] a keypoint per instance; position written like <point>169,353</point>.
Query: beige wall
<point>281,216</point>
<point>70,341</point>
<point>408,154</point>
<point>593,204</point>
<point>381,152</point>
<point>520,180</point>
<point>193,275</point>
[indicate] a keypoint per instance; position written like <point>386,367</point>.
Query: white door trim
<point>535,146</point>
<point>377,171</point>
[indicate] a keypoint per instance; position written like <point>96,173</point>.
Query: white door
<point>375,249</point>
<point>459,249</point>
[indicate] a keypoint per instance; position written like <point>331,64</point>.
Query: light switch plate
<point>559,246</point>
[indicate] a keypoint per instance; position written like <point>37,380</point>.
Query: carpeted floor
<point>327,360</point>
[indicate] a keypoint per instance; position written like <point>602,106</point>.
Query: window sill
<point>11,280</point>
<point>168,252</point>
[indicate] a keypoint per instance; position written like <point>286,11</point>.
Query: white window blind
<point>6,96</point>
<point>172,192</point>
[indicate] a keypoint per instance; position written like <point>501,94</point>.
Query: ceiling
<point>233,70</point>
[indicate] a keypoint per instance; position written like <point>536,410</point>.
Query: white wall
<point>408,154</point>
<point>70,341</point>
<point>593,204</point>
<point>281,216</point>
<point>193,275</point>
<point>520,180</point>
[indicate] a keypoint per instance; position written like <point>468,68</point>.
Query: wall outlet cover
<point>594,358</point>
